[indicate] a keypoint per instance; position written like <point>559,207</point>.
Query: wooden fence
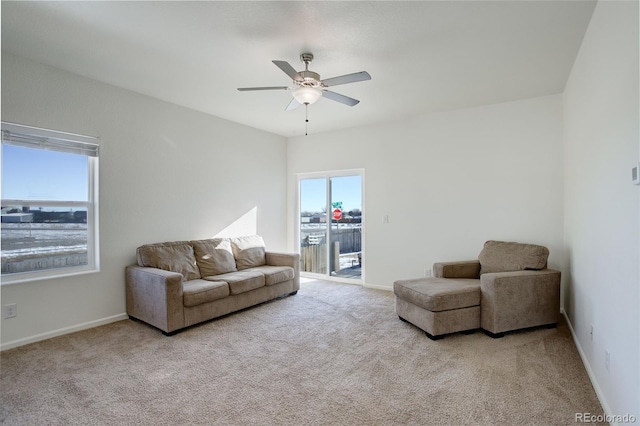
<point>313,248</point>
<point>313,258</point>
<point>350,239</point>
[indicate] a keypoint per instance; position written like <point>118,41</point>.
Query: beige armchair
<point>516,291</point>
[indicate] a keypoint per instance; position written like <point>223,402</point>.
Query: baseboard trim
<point>61,331</point>
<point>587,366</point>
<point>377,287</point>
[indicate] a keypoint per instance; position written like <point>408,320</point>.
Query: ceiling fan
<point>308,87</point>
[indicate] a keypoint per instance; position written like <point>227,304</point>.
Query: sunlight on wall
<point>247,224</point>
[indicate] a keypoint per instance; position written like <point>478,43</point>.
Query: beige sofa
<point>508,288</point>
<point>181,283</point>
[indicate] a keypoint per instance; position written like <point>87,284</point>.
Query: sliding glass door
<point>330,225</point>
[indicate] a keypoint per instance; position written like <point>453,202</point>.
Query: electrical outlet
<point>607,360</point>
<point>10,311</point>
<point>427,272</point>
<point>385,218</point>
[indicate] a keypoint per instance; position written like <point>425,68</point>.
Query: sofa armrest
<point>155,297</point>
<point>520,299</point>
<point>462,269</point>
<point>286,259</point>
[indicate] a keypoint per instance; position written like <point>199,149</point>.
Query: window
<point>49,203</point>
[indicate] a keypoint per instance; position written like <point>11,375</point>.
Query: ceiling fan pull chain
<point>306,118</point>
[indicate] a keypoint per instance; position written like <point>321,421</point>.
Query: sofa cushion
<point>240,281</point>
<point>197,292</point>
<point>274,274</point>
<point>501,256</point>
<point>439,294</point>
<point>249,251</point>
<point>176,256</point>
<point>214,256</point>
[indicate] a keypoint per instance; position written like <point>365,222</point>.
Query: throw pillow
<point>501,256</point>
<point>249,251</point>
<point>214,256</point>
<point>174,256</point>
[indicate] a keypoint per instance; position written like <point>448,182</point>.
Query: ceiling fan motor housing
<point>309,79</point>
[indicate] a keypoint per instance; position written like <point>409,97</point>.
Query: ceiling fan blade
<point>348,78</point>
<point>245,89</point>
<point>293,105</point>
<point>289,70</point>
<point>340,98</point>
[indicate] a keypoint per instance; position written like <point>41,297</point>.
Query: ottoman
<point>439,306</point>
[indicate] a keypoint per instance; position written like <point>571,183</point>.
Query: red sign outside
<point>337,214</point>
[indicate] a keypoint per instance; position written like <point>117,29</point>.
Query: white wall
<point>166,173</point>
<point>602,213</point>
<point>449,182</point>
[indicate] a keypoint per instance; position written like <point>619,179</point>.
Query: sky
<point>38,174</point>
<point>347,189</point>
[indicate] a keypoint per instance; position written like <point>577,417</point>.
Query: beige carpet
<point>334,354</point>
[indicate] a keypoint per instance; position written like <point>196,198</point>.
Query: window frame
<point>327,176</point>
<point>75,144</point>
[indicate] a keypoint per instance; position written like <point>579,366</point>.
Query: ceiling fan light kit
<point>306,95</point>
<point>308,87</point>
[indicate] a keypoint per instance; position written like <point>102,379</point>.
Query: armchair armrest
<point>286,259</point>
<point>520,299</point>
<point>155,297</point>
<point>462,269</point>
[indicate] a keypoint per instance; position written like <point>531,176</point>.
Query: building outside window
<point>49,212</point>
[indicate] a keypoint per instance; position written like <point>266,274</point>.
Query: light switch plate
<point>635,174</point>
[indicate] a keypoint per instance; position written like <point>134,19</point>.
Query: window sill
<point>44,275</point>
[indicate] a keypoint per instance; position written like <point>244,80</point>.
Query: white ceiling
<point>422,56</point>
